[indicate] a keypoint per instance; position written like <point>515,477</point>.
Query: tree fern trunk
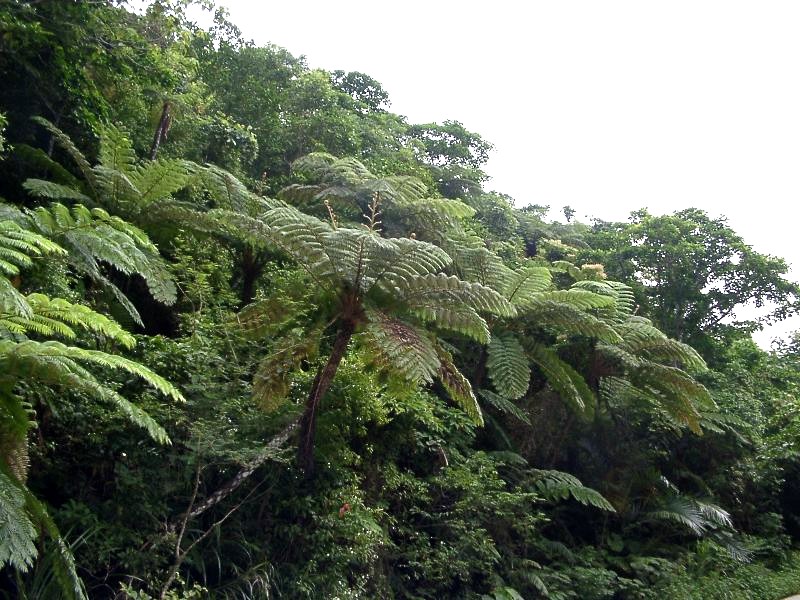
<point>161,130</point>
<point>308,422</point>
<point>251,270</point>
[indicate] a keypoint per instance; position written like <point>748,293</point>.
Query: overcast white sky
<point>606,106</point>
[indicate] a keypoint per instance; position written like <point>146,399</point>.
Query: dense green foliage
<point>262,337</point>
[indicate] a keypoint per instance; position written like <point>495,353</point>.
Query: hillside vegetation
<point>261,337</point>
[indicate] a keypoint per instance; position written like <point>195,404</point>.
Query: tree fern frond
<point>680,509</point>
<point>578,298</point>
<point>459,319</point>
<point>526,284</point>
<point>12,302</point>
<point>416,291</point>
<point>40,162</point>
<point>300,195</point>
<point>562,377</point>
<point>269,315</point>
<point>54,191</point>
<point>116,149</point>
<point>458,387</point>
<point>53,363</point>
<point>508,366</point>
<point>504,405</point>
<point>31,351</point>
<point>117,189</point>
<point>452,208</point>
<point>641,338</point>
<point>160,179</point>
<point>402,348</point>
<point>20,244</point>
<point>303,237</point>
<point>564,266</point>
<point>315,165</point>
<point>17,533</point>
<point>406,259</point>
<point>63,140</point>
<point>62,311</point>
<point>482,266</point>
<point>569,319</point>
<point>403,189</point>
<point>624,300</point>
<point>63,562</point>
<point>557,485</point>
<point>231,194</point>
<point>93,236</point>
<point>272,377</point>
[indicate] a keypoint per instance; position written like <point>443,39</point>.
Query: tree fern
<point>388,289</point>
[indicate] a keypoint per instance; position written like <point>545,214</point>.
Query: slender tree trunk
<point>308,422</point>
<point>161,130</point>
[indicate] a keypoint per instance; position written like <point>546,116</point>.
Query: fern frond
<point>160,179</point>
<point>458,387</point>
<point>458,319</point>
<point>402,348</point>
<point>482,266</point>
<point>54,191</point>
<point>17,533</point>
<point>231,194</point>
<point>504,405</point>
<point>402,189</point>
<point>416,291</point>
<point>564,266</point>
<point>18,245</point>
<point>641,338</point>
<point>59,310</point>
<point>63,562</point>
<point>526,284</point>
<point>680,394</point>
<point>12,302</point>
<point>569,319</point>
<point>301,195</point>
<point>272,378</point>
<point>508,366</point>
<point>303,237</point>
<point>116,149</point>
<point>682,510</point>
<point>95,236</point>
<point>557,485</point>
<point>53,363</point>
<point>562,377</point>
<point>31,351</point>
<point>269,315</point>
<point>624,300</point>
<point>63,140</point>
<point>405,259</point>
<point>578,298</point>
